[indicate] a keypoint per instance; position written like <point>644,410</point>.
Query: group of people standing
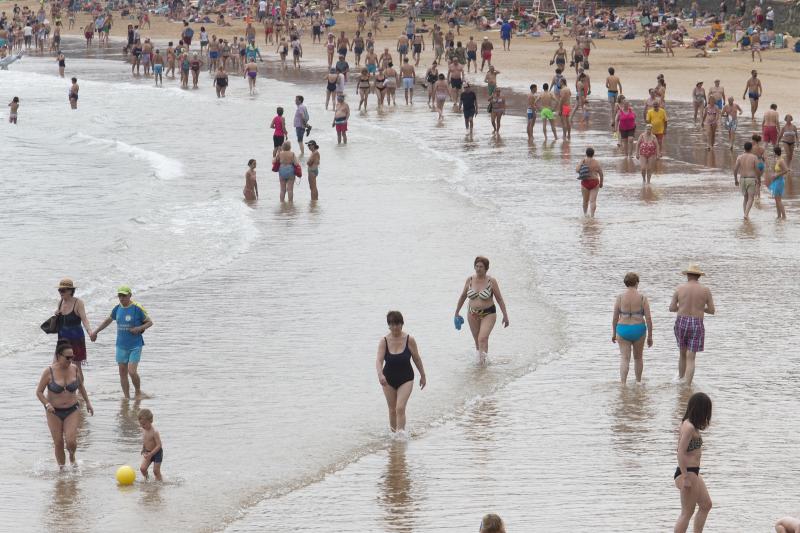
<point>63,380</point>
<point>284,161</point>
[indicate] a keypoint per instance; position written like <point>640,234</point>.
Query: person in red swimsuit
<point>648,153</point>
<point>591,176</point>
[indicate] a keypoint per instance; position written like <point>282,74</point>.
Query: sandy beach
<point>528,60</point>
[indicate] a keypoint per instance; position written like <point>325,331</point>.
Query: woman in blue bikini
<point>778,182</point>
<point>631,324</point>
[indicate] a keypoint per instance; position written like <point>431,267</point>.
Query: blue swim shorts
<point>125,356</point>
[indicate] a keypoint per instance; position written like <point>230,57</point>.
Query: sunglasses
<point>62,291</point>
<point>68,357</point>
<point>122,295</point>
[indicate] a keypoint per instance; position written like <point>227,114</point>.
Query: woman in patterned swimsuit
<point>648,152</point>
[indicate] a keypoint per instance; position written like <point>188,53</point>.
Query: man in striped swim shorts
<point>692,301</point>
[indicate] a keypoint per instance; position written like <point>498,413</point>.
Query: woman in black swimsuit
<point>221,81</point>
<point>72,321</point>
<point>380,86</point>
<point>63,383</point>
<point>395,374</point>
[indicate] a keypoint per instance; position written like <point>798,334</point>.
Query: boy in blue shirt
<point>132,320</point>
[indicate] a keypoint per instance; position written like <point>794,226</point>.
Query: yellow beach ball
<point>126,475</point>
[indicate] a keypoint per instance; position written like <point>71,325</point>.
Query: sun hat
<point>694,269</point>
<point>66,283</point>
<point>124,289</point>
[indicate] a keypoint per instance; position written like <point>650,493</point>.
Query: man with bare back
<point>691,301</point>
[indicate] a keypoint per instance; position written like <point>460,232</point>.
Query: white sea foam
<point>163,167</point>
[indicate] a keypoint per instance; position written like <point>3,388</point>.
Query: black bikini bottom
<point>695,469</point>
<point>64,412</point>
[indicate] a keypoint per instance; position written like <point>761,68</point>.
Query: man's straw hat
<point>694,269</point>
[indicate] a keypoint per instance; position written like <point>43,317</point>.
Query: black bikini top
<point>53,386</point>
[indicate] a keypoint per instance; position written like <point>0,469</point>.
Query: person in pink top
<point>279,125</point>
<point>626,126</point>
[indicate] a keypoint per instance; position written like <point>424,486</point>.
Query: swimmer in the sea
<point>250,184</point>
<point>73,94</point>
<point>12,114</point>
<point>313,168</point>
<point>395,373</point>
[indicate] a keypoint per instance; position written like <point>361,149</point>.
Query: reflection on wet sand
<point>626,166</point>
<point>395,485</point>
<point>590,235</point>
<point>287,208</point>
<point>130,433</point>
<point>632,412</point>
<point>497,141</point>
<point>648,194</point>
<point>150,495</point>
<point>711,159</point>
<point>566,153</point>
<point>479,424</point>
<point>65,511</point>
<point>746,230</point>
<point>684,393</point>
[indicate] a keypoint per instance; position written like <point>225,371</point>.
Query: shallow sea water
<point>260,366</point>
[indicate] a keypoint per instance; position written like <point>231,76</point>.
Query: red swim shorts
<point>590,184</point>
<point>770,134</point>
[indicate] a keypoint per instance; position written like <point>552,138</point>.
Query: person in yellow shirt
<point>657,117</point>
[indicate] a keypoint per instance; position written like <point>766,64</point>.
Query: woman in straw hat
<point>72,321</point>
<point>632,323</point>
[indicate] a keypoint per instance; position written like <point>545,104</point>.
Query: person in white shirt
<point>27,31</point>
